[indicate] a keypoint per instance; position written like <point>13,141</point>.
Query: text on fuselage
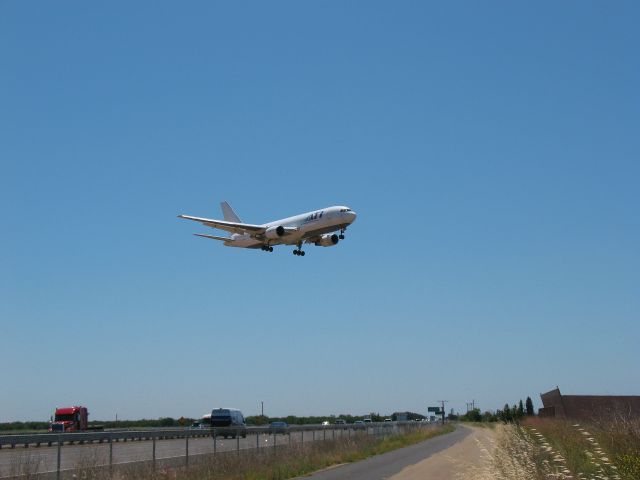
<point>314,216</point>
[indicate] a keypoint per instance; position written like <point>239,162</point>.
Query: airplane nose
<point>352,216</point>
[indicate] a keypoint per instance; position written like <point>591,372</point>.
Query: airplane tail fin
<point>228,213</point>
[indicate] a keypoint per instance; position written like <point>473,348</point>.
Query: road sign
<point>433,409</point>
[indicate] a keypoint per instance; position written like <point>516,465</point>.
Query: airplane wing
<point>232,227</point>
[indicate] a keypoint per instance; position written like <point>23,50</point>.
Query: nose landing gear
<point>341,236</point>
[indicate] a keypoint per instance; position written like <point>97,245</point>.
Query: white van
<point>228,422</point>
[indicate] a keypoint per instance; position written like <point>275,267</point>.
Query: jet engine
<point>327,240</point>
<point>275,232</point>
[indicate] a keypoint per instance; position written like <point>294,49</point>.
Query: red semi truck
<point>72,419</point>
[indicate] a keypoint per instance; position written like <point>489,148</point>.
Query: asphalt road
<point>44,459</point>
<point>388,464</point>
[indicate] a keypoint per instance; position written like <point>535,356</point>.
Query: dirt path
<point>456,462</point>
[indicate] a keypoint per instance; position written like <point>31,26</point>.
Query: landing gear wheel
<point>302,253</point>
<point>271,249</point>
<point>341,237</point>
<point>295,252</point>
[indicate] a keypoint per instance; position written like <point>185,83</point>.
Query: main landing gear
<point>266,248</point>
<point>299,251</point>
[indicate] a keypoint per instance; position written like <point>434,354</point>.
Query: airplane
<point>315,227</point>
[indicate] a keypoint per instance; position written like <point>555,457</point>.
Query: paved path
<point>464,460</point>
<point>393,465</point>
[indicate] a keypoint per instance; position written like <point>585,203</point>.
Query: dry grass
<point>509,455</point>
<point>600,449</point>
<point>542,449</point>
<point>26,465</point>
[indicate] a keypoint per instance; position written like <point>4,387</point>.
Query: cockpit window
<point>345,209</point>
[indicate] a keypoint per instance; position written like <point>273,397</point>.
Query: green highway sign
<point>433,409</point>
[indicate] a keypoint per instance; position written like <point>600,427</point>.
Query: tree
<point>472,415</point>
<point>166,422</point>
<point>505,414</point>
<point>376,417</point>
<point>520,409</point>
<point>514,413</point>
<point>529,405</point>
<point>490,417</point>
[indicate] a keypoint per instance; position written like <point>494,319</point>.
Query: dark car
<point>279,427</point>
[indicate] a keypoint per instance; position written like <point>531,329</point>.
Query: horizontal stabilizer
<point>212,237</point>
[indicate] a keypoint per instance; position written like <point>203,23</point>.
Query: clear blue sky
<point>490,149</point>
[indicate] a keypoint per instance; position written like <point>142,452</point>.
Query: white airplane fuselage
<point>307,225</point>
<point>312,227</point>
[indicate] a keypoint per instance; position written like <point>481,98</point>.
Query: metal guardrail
<point>80,438</point>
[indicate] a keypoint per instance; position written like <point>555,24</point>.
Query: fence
<point>160,448</point>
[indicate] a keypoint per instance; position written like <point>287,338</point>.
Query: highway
<point>44,459</point>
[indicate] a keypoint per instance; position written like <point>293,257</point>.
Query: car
<point>358,424</point>
<point>387,420</point>
<point>279,427</point>
<point>367,420</point>
<point>326,423</point>
<point>340,422</point>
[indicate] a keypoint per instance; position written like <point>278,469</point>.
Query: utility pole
<point>442,402</point>
<point>262,408</point>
